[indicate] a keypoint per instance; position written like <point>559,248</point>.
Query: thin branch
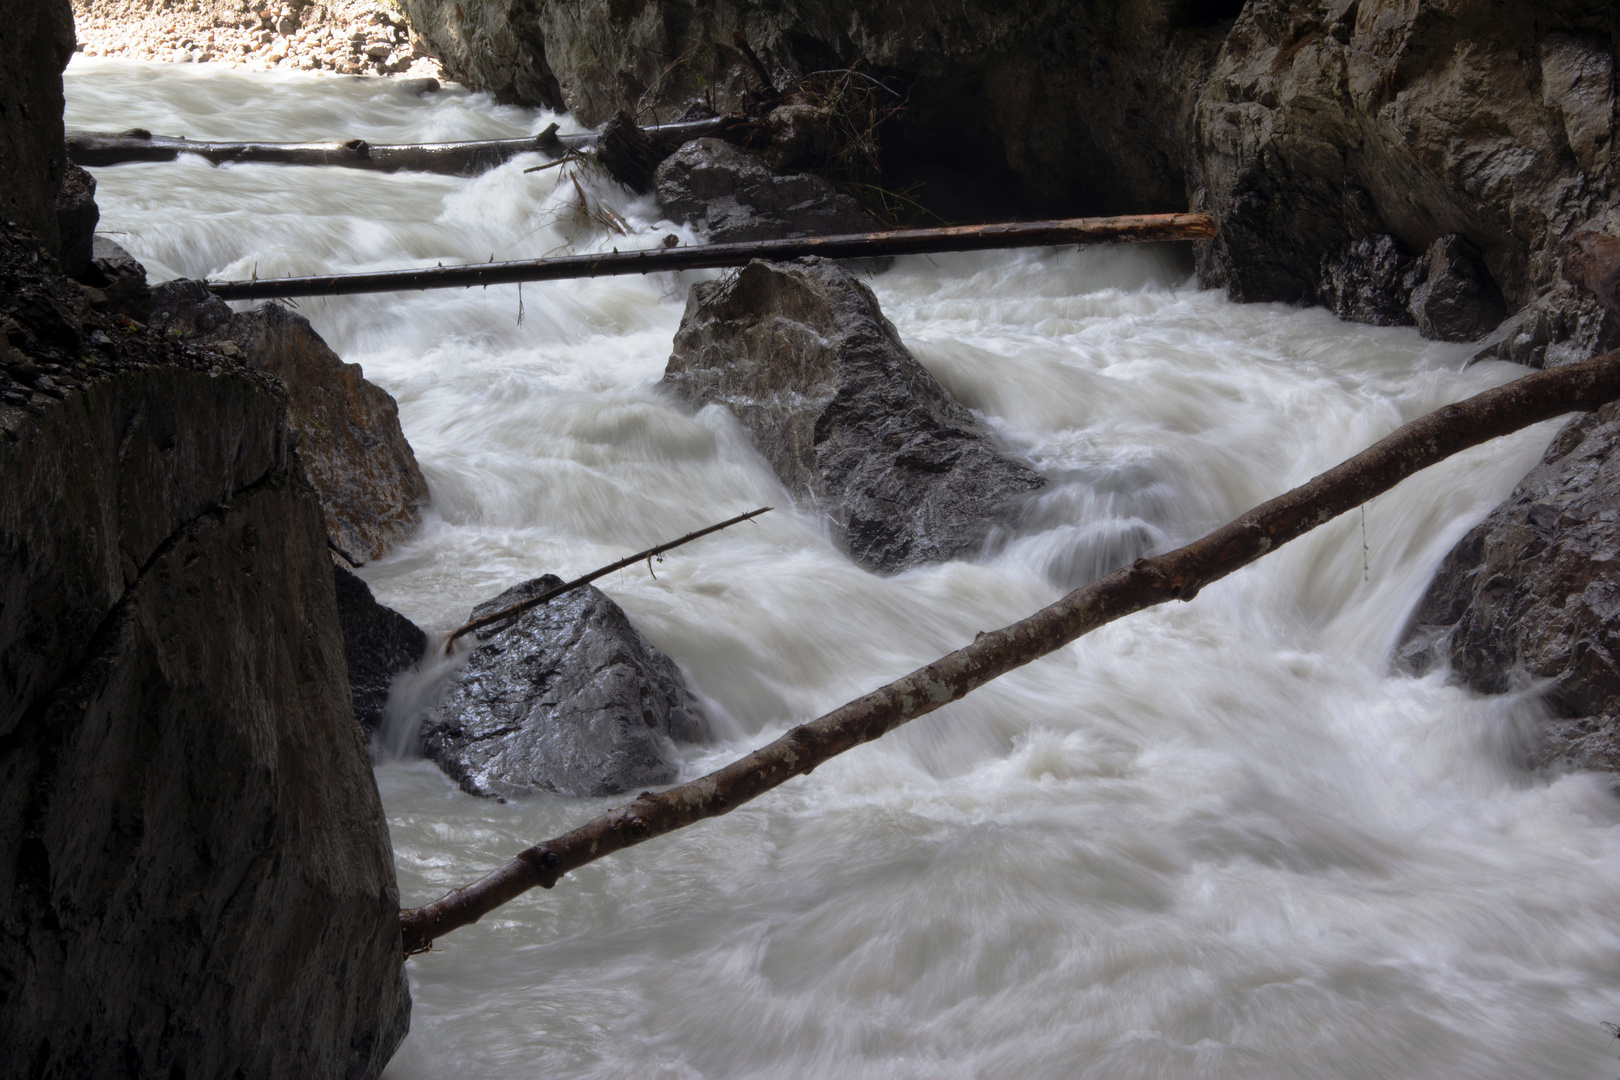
<point>1176,575</point>
<point>551,594</point>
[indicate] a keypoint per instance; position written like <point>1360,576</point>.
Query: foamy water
<point>1214,839</point>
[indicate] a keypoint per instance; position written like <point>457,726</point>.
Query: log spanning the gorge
<point>1176,575</point>
<point>98,148</point>
<point>1141,228</point>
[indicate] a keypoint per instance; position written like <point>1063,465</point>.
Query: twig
<point>551,594</point>
<point>1176,575</point>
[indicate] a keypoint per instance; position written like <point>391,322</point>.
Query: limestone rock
<point>802,355</point>
<point>1532,593</point>
<point>353,448</point>
<point>732,196</point>
<point>195,872</point>
<point>1454,298</point>
<point>76,217</point>
<point>1368,282</point>
<point>567,697</point>
<point>378,644</point>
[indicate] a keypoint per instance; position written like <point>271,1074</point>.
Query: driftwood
<point>579,582</point>
<point>1139,228</point>
<point>1177,575</point>
<point>98,148</point>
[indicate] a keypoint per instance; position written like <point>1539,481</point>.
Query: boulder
<point>378,644</point>
<point>566,697</point>
<point>195,872</point>
<point>76,218</point>
<point>801,354</point>
<point>120,279</point>
<point>1368,281</point>
<point>1531,593</point>
<point>732,195</point>
<point>1454,298</point>
<point>353,448</point>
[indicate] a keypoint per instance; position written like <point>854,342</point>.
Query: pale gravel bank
<point>349,37</point>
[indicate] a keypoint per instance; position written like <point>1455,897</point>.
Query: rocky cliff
<point>195,873</point>
<point>36,40</point>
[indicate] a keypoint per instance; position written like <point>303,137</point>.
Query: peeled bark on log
<point>99,148</point>
<point>1139,228</point>
<point>1176,575</point>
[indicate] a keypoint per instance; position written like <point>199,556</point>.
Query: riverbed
<point>1222,838</point>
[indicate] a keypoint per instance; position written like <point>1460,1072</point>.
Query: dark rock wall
<point>1531,594</point>
<point>195,873</point>
<point>1042,105</point>
<point>36,41</point>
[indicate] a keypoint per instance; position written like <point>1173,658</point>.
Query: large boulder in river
<point>356,455</point>
<point>195,872</point>
<point>564,697</point>
<point>733,195</point>
<point>1533,593</point>
<point>801,353</point>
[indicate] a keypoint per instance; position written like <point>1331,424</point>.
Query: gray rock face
<point>1531,593</point>
<point>1368,282</point>
<point>36,41</point>
<point>802,355</point>
<point>195,872</point>
<point>76,218</point>
<point>378,644</point>
<point>732,195</point>
<point>1454,298</point>
<point>567,697</point>
<point>353,448</point>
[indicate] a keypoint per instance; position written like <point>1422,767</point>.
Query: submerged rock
<point>353,448</point>
<point>733,195</point>
<point>1531,593</point>
<point>801,353</point>
<point>567,697</point>
<point>378,643</point>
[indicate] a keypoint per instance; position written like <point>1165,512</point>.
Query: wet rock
<point>76,218</point>
<point>195,872</point>
<point>567,697</point>
<point>378,643</point>
<point>732,195</point>
<point>1368,282</point>
<point>353,448</point>
<point>1593,263</point>
<point>1454,298</point>
<point>802,355</point>
<point>1531,593</point>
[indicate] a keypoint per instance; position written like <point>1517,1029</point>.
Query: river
<point>1221,838</point>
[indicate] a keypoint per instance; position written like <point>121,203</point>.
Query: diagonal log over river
<point>1223,838</point>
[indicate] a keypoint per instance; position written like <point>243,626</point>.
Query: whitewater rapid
<point>1221,838</point>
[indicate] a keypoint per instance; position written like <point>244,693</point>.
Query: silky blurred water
<point>1214,839</point>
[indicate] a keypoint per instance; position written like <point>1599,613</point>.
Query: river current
<point>1222,838</point>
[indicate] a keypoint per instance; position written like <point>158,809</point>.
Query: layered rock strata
<point>801,354</point>
<point>195,872</point>
<point>566,697</point>
<point>353,448</point>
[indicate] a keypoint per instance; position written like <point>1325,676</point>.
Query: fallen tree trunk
<point>98,148</point>
<point>1176,575</point>
<point>1142,228</point>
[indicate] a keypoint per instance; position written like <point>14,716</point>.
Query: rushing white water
<point>1218,838</point>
